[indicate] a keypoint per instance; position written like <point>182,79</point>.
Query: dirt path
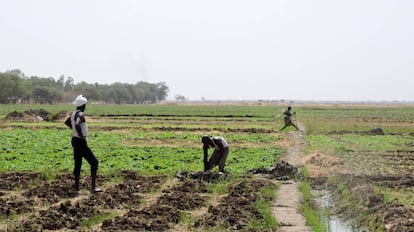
<point>288,198</point>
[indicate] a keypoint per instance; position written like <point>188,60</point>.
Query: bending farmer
<point>219,155</point>
<point>81,150</point>
<point>288,118</point>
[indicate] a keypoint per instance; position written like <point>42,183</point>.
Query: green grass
<point>97,218</point>
<point>187,220</point>
<point>264,208</point>
<point>314,216</point>
<point>218,187</point>
<point>405,197</point>
<point>269,222</point>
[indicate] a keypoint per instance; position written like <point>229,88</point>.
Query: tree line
<point>15,87</point>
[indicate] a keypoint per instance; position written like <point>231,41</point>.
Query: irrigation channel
<point>333,223</point>
<point>323,197</point>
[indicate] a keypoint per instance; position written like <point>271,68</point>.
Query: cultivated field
<point>140,149</point>
<point>365,156</point>
<point>362,154</point>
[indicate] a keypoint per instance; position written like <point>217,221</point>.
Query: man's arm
<point>205,149</point>
<point>68,123</point>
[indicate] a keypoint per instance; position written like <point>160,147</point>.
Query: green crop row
<point>50,149</point>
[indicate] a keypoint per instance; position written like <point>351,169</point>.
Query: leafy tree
<point>16,87</point>
<point>180,98</point>
<point>162,91</point>
<point>12,89</point>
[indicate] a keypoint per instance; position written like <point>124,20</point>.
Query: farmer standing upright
<point>288,118</point>
<point>80,147</point>
<point>220,153</point>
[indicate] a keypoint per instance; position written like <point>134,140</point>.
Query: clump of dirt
<point>138,183</point>
<point>114,198</point>
<point>375,131</point>
<point>236,210</point>
<point>29,115</point>
<point>163,213</point>
<point>394,181</point>
<point>18,180</point>
<point>395,217</point>
<point>152,218</point>
<point>322,165</point>
<point>35,115</point>
<point>190,186</point>
<point>182,200</point>
<point>65,215</point>
<point>205,176</point>
<point>60,115</point>
<point>125,194</point>
<point>53,192</point>
<point>16,205</point>
<point>282,171</point>
<point>406,181</point>
<point>185,196</point>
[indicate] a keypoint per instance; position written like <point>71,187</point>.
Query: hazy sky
<point>219,49</point>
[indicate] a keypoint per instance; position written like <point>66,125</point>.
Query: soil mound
<point>15,204</point>
<point>236,210</point>
<point>206,176</point>
<point>35,115</point>
<point>29,115</point>
<point>18,180</point>
<point>395,217</point>
<point>156,218</point>
<point>282,171</point>
<point>375,131</point>
<point>60,115</point>
<point>65,215</point>
<point>164,213</point>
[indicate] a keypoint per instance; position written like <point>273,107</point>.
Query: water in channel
<point>333,224</point>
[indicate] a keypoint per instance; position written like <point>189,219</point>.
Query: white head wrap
<point>80,100</point>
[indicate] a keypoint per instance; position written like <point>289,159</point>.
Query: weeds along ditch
<point>363,159</point>
<point>140,149</point>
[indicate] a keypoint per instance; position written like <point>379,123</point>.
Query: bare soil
<point>30,202</point>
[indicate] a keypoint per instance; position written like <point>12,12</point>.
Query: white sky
<point>219,49</point>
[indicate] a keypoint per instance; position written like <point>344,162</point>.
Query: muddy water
<point>334,224</point>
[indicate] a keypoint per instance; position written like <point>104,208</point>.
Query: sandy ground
<point>288,199</point>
